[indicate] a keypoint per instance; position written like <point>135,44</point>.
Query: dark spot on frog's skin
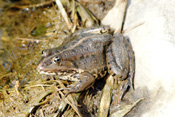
<point>126,45</point>
<point>85,41</point>
<point>105,36</point>
<point>111,62</point>
<point>81,36</point>
<point>73,50</point>
<point>110,68</point>
<point>82,31</point>
<point>81,46</point>
<point>82,57</point>
<point>127,39</point>
<point>74,42</point>
<point>113,75</point>
<point>64,47</point>
<point>78,40</point>
<point>76,76</point>
<point>130,58</point>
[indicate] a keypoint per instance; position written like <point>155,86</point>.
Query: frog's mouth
<point>57,70</point>
<point>62,72</point>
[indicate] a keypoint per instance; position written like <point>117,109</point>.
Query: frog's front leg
<point>86,81</point>
<point>120,62</point>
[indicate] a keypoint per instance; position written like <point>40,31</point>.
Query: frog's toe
<point>123,87</point>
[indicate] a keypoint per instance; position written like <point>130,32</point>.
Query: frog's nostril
<point>46,53</point>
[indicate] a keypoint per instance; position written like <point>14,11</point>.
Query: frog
<point>88,55</point>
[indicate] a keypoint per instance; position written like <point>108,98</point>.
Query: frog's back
<point>87,52</point>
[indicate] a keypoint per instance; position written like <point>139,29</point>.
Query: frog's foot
<point>123,87</point>
<point>86,81</point>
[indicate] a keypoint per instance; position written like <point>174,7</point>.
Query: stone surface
<point>115,16</point>
<point>154,46</point>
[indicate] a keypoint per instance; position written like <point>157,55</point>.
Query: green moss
<point>39,31</point>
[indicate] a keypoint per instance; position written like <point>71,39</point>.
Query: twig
<point>37,101</point>
<point>124,110</point>
<point>35,5</point>
<point>71,102</point>
<point>72,105</point>
<point>127,30</point>
<point>106,97</point>
<point>64,14</point>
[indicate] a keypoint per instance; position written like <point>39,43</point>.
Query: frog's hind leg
<point>86,81</point>
<point>131,62</point>
<point>119,63</point>
<point>118,74</point>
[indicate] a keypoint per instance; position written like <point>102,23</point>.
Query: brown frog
<point>90,54</point>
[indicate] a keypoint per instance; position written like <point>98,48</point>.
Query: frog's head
<point>55,65</point>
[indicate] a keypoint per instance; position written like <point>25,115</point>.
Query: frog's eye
<point>56,59</point>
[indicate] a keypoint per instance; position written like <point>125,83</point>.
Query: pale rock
<point>154,46</point>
